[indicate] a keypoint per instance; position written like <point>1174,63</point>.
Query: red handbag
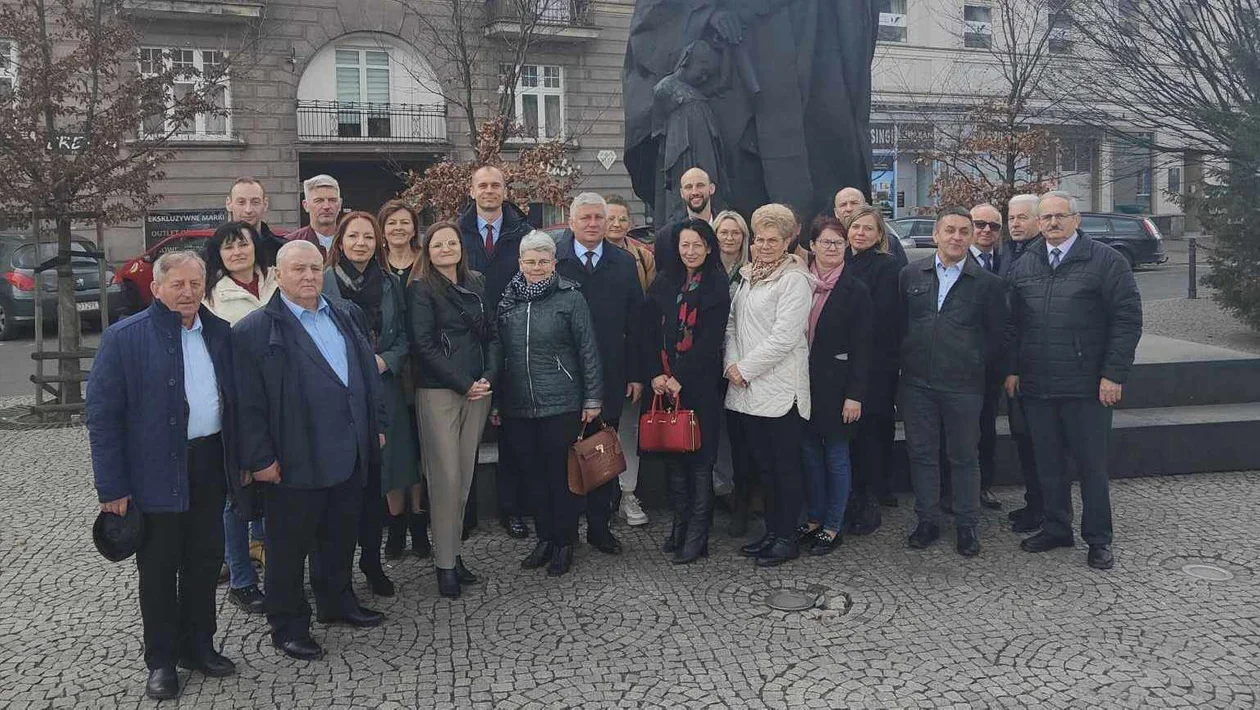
<point>669,431</point>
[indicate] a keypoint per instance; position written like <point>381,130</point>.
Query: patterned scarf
<point>365,289</point>
<point>761,270</point>
<point>688,318</point>
<point>525,291</point>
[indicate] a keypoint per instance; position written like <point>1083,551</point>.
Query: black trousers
<point>870,453</point>
<point>1081,426</point>
<point>542,448</point>
<point>319,522</point>
<point>774,446</point>
<point>987,448</point>
<point>179,560</point>
<point>371,522</point>
<point>1027,458</point>
<point>511,479</point>
<point>602,502</point>
<point>743,472</point>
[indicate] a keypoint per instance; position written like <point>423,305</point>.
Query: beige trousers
<point>450,430</point>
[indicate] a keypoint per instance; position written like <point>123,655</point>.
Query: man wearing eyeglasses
<point>1077,318</point>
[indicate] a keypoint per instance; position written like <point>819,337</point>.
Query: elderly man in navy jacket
<point>159,419</point>
<point>311,419</point>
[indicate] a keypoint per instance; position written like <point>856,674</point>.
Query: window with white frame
<point>1059,20</point>
<point>540,101</point>
<point>892,20</point>
<point>977,26</point>
<point>194,70</point>
<point>8,66</point>
<point>363,93</point>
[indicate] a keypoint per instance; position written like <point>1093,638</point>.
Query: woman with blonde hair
<point>732,236</point>
<point>767,366</point>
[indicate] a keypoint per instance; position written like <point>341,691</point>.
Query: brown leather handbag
<point>595,460</point>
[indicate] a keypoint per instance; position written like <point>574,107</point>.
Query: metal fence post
<point>1192,289</point>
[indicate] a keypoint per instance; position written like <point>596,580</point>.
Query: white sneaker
<point>632,511</point>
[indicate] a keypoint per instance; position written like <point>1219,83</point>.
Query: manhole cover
<point>793,600</point>
<point>1209,572</point>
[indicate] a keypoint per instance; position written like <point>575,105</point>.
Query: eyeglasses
<point>535,263</point>
<point>1052,216</point>
<point>831,243</point>
<point>981,224</point>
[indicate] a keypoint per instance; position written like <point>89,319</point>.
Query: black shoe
<point>684,557</point>
<point>465,575</point>
<point>968,542</point>
<point>538,556</point>
<point>988,500</point>
<point>888,500</point>
<point>674,541</point>
<point>208,662</point>
<point>1101,557</point>
<point>606,543</point>
<point>250,599</point>
<point>866,517</point>
<point>782,550</point>
<point>820,543</point>
<point>380,585</point>
<point>301,649</point>
<point>1043,542</point>
<point>396,540</point>
<point>420,545</point>
<point>1018,512</point>
<point>515,526</point>
<point>804,532</point>
<point>753,549</point>
<point>561,560</point>
<point>448,583</point>
<point>163,684</point>
<point>1027,521</point>
<point>359,617</point>
<point>924,535</point>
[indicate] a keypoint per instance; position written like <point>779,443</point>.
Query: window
<point>1059,21</point>
<point>363,93</point>
<point>1174,181</point>
<point>1092,224</point>
<point>193,68</point>
<point>8,66</point>
<point>892,20</point>
<point>978,23</point>
<point>540,101</point>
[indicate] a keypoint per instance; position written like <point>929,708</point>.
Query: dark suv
<point>18,260</point>
<point>1136,238</point>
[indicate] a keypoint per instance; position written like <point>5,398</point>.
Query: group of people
<point>316,389</point>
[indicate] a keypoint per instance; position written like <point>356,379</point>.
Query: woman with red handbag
<point>685,325</point>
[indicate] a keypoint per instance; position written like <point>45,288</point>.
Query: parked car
<point>1136,237</point>
<point>917,229</point>
<point>18,259</point>
<point>135,276</point>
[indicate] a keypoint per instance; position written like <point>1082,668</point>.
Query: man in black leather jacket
<point>1076,322</point>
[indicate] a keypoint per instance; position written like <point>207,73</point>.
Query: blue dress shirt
<point>1063,248</point>
<point>201,389</point>
<point>946,277</point>
<point>498,228</point>
<point>581,252</point>
<point>319,324</point>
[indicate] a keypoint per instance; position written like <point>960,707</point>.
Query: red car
<point>135,276</point>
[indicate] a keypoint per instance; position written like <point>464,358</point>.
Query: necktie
<point>986,260</point>
<point>489,239</point>
<point>590,261</point>
<point>1054,257</point>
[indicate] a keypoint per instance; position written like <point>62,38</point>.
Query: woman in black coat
<point>840,339</point>
<point>867,258</point>
<point>685,326</point>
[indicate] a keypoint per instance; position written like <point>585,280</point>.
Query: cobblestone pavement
<point>901,628</point>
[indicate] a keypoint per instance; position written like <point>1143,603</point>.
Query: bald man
<point>696,190</point>
<point>309,446</point>
<point>849,199</point>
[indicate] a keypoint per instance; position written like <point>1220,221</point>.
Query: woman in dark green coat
<point>358,272</point>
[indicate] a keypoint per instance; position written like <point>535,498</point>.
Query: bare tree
<point>85,129</point>
<point>1187,73</point>
<point>995,122</point>
<point>476,39</point>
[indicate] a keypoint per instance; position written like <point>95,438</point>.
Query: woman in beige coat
<point>237,281</point>
<point>767,366</point>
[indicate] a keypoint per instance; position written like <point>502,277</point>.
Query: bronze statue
<point>792,103</point>
<point>684,127</point>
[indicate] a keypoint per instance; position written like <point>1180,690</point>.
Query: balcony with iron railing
<point>560,20</point>
<point>354,122</point>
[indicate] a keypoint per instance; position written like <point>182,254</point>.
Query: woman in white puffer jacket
<point>767,364</point>
<point>237,282</point>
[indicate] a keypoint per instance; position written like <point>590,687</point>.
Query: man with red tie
<point>491,230</point>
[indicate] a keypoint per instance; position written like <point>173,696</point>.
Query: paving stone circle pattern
<point>897,628</point>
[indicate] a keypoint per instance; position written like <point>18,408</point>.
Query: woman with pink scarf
<point>840,335</point>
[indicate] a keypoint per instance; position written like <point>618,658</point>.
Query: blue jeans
<point>236,535</point>
<point>827,473</point>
